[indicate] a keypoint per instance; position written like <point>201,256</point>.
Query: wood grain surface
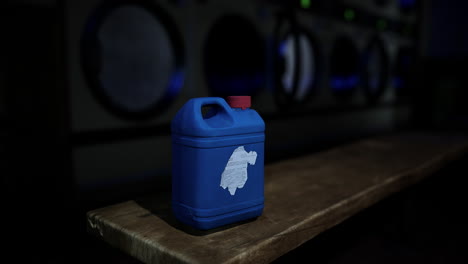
<point>303,197</point>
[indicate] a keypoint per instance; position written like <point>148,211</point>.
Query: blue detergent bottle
<point>217,162</point>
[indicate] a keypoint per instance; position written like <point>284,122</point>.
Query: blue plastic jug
<point>217,162</point>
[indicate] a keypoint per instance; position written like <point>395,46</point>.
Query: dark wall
<point>441,75</point>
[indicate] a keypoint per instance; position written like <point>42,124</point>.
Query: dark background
<point>45,151</point>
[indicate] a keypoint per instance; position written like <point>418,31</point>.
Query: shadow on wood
<point>159,205</point>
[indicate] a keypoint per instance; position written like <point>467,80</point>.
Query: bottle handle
<point>204,101</point>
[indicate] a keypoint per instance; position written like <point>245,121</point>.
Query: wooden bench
<point>303,197</point>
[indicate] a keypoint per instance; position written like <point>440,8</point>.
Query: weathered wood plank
<point>303,197</point>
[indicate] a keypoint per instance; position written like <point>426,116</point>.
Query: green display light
<point>349,14</point>
<point>381,24</point>
<point>305,3</point>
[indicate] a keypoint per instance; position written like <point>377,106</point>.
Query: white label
<point>235,173</point>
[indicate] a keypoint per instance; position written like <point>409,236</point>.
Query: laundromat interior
<point>89,88</point>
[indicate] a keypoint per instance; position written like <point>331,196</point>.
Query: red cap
<point>239,101</point>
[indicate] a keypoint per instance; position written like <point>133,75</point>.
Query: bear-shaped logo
<point>235,174</point>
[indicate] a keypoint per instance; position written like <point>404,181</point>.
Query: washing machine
<point>126,76</point>
<point>336,71</point>
<point>332,61</point>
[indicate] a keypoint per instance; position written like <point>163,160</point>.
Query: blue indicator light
<point>344,83</point>
<point>398,82</point>
<point>176,83</point>
<point>282,48</point>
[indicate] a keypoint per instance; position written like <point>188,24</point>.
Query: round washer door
<point>296,63</point>
<point>234,57</point>
<point>375,69</point>
<point>344,68</point>
<point>133,59</point>
<point>402,72</point>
